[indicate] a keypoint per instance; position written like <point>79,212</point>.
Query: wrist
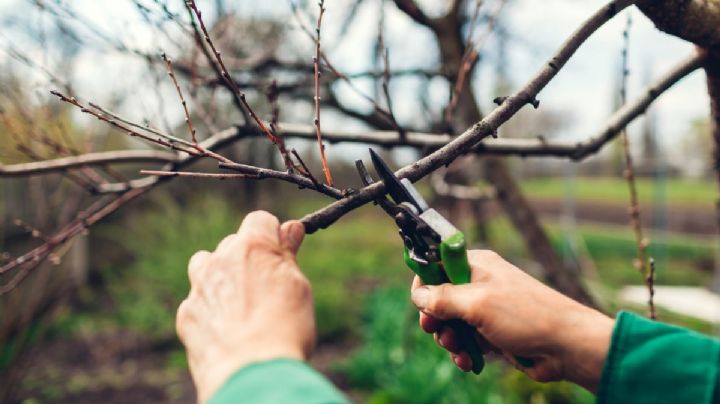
<point>587,335</point>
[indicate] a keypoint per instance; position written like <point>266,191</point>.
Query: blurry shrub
<point>344,264</point>
<point>146,294</point>
<point>401,364</point>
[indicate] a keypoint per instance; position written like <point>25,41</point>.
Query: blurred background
<point>94,322</point>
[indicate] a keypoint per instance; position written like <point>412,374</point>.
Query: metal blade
<point>392,184</point>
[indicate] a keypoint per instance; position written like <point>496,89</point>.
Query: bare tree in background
<point>232,79</point>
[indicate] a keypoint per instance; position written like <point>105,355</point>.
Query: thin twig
<point>228,84</point>
<point>445,155</point>
<point>34,232</point>
<point>272,96</point>
<point>188,120</point>
<point>641,261</point>
<point>385,57</point>
<point>339,75</point>
<point>316,64</point>
<point>216,176</point>
<point>226,75</point>
<point>306,170</point>
<point>650,282</point>
<point>162,140</point>
<point>299,180</point>
<point>472,52</point>
<point>87,160</point>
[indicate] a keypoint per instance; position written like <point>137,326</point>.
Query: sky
<point>583,91</point>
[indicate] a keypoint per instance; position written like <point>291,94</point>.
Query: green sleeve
<point>277,381</point>
<point>652,362</point>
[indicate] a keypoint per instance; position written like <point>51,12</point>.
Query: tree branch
<point>411,9</point>
<point>445,155</point>
<point>524,147</point>
<point>86,160</point>
<point>535,147</point>
<point>697,21</point>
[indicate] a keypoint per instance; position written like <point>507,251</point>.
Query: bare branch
<point>87,160</point>
<point>216,176</point>
<point>188,121</point>
<point>641,263</point>
<point>505,146</point>
<point>226,75</point>
<point>316,63</point>
<point>537,147</point>
<point>479,131</point>
<point>696,21</point>
<point>411,9</point>
<point>303,182</point>
<point>165,140</point>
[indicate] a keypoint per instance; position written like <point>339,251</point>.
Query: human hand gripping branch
<point>249,303</point>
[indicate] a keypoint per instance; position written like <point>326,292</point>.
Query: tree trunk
<point>509,195</point>
<point>712,69</point>
<point>697,21</point>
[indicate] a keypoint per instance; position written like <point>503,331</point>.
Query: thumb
<point>291,235</point>
<point>448,301</point>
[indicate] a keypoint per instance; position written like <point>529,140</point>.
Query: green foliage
<point>146,294</point>
<point>398,363</point>
<point>612,249</point>
<point>609,189</point>
<point>344,264</point>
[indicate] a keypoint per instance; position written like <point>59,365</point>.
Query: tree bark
<point>697,21</point>
<point>712,69</point>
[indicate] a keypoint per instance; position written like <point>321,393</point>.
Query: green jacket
<point>648,362</point>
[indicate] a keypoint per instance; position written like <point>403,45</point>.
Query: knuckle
<point>256,242</point>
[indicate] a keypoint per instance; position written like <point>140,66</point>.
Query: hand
<point>518,316</point>
<point>248,302</point>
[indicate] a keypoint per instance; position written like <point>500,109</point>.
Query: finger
<point>481,262</point>
<point>258,226</point>
<point>226,242</point>
<point>447,301</point>
<point>430,324</point>
<point>485,345</point>
<point>292,234</point>
<point>416,283</point>
<point>448,340</point>
<point>462,360</point>
<point>196,265</point>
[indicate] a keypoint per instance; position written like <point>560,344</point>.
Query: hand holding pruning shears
<point>434,249</point>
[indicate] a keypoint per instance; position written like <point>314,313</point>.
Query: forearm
<point>277,381</point>
<point>652,362</point>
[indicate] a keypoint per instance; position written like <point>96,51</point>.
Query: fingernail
<point>420,297</point>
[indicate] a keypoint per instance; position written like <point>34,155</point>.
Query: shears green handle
<point>453,253</point>
<point>456,269</point>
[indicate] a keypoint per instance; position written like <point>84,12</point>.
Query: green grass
<point>680,191</point>
<point>679,258</point>
<point>360,286</point>
<point>398,363</point>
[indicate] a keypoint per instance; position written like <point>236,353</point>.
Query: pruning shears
<point>434,248</point>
